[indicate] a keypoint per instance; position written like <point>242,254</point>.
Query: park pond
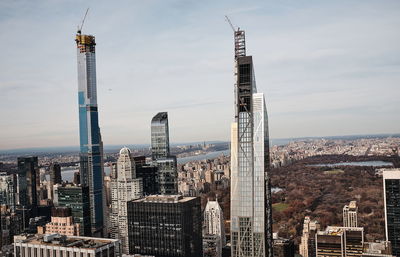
<point>364,163</point>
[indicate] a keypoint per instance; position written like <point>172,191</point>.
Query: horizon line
<point>2,151</point>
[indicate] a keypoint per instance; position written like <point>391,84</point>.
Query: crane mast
<point>240,40</point>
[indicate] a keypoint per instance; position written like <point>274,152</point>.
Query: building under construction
<point>251,216</point>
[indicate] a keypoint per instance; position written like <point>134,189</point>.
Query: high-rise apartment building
<point>160,136</point>
<point>340,241</point>
<point>10,225</point>
<point>28,182</point>
<point>91,146</point>
<point>77,199</point>
<point>8,187</point>
<point>350,214</point>
<point>167,226</point>
<point>214,225</point>
<point>391,193</point>
<point>55,245</point>
<point>55,173</point>
<point>55,178</point>
<point>148,173</point>
<point>251,210</point>
<point>167,177</point>
<point>307,245</point>
<point>124,187</point>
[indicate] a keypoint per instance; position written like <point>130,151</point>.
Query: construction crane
<point>230,23</point>
<point>240,43</point>
<point>83,21</point>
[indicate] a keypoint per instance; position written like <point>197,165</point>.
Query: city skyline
<point>317,84</point>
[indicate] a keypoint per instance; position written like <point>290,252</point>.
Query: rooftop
<point>165,199</point>
<point>160,116</point>
<point>65,241</point>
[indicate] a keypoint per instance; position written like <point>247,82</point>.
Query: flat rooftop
<point>64,241</point>
<point>165,199</point>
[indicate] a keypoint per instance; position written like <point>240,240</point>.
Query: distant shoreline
<point>107,148</point>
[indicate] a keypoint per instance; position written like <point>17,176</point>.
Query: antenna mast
<point>240,42</point>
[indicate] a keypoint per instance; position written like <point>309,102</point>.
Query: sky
<point>326,67</point>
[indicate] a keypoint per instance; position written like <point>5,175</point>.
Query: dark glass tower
<point>91,146</point>
<point>77,199</point>
<point>55,174</point>
<point>391,193</point>
<point>167,226</point>
<point>28,182</point>
<point>251,217</point>
<point>167,176</point>
<point>159,136</point>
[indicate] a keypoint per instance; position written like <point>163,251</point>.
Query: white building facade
<point>350,214</point>
<point>124,187</point>
<point>214,225</point>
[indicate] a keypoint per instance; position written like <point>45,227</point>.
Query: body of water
<point>200,157</point>
<point>366,163</point>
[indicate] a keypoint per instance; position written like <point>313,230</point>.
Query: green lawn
<point>333,172</point>
<point>280,206</point>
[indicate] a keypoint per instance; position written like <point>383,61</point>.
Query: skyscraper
<point>350,214</point>
<point>214,225</point>
<point>307,245</point>
<point>28,183</point>
<point>77,199</point>
<point>148,173</point>
<point>124,187</point>
<point>167,226</point>
<point>251,217</point>
<point>159,136</point>
<point>167,176</point>
<point>8,186</point>
<point>55,174</point>
<point>391,194</point>
<point>55,177</point>
<point>91,146</point>
<point>340,241</point>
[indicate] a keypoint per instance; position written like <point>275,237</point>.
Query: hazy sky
<point>326,67</point>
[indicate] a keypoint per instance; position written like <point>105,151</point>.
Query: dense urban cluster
<point>297,150</point>
<point>242,204</point>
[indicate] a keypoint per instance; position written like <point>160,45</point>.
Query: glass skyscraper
<point>159,136</point>
<point>167,175</point>
<point>251,217</point>
<point>391,193</point>
<point>91,147</point>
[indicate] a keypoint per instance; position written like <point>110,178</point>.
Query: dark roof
<point>160,116</point>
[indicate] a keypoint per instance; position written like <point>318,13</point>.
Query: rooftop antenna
<point>240,42</point>
<point>83,21</point>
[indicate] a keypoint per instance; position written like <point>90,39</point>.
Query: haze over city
<point>326,68</point>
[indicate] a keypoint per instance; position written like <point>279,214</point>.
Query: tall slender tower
<point>251,217</point>
<point>159,136</point>
<point>167,177</point>
<point>91,146</point>
<point>391,194</point>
